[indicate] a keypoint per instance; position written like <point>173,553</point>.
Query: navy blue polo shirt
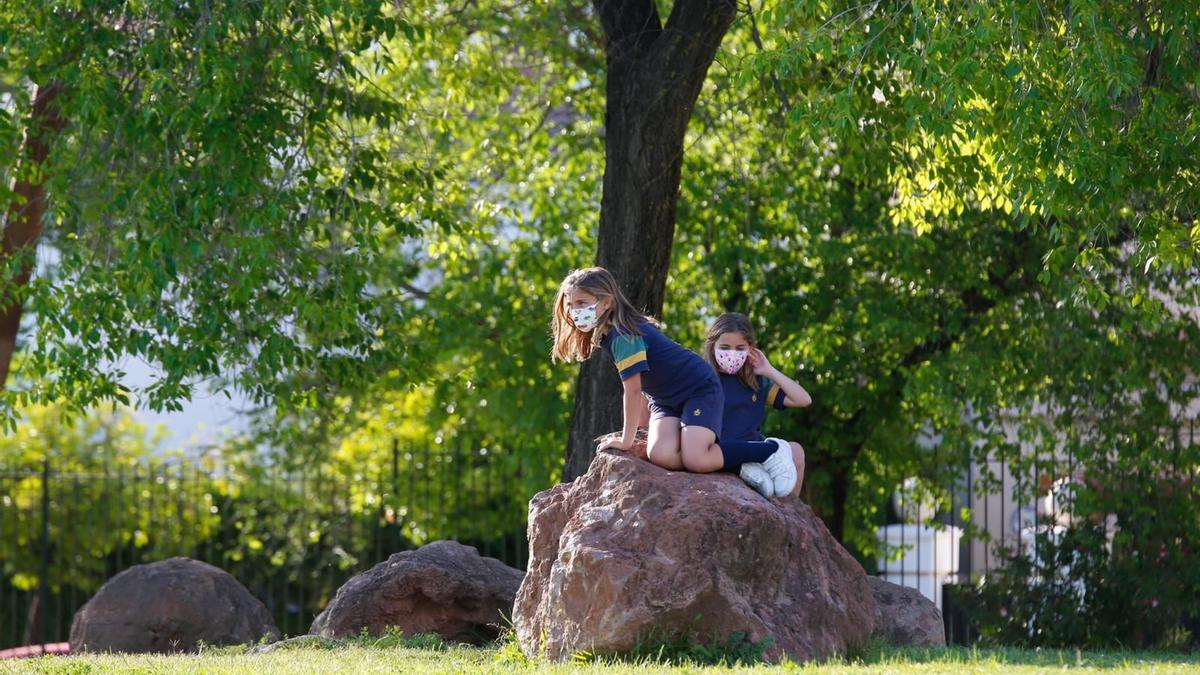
<point>670,373</point>
<point>746,408</point>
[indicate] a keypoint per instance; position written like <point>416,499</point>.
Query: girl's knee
<point>666,457</point>
<point>695,464</point>
<point>798,459</point>
<point>701,460</point>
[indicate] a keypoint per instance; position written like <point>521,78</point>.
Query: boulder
<point>167,607</point>
<point>630,552</point>
<point>904,617</point>
<point>442,587</point>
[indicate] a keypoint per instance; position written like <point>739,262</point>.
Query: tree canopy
<point>218,184</point>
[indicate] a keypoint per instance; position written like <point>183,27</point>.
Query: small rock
<point>167,607</point>
<point>904,617</point>
<point>442,587</point>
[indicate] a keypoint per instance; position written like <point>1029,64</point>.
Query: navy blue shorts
<point>704,408</point>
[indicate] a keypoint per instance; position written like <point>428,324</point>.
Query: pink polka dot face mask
<point>730,361</point>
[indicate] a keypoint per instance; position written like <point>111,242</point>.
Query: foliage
<point>219,200</point>
<point>898,325</point>
<point>509,112</point>
<point>1060,595</point>
<point>1132,581</point>
<point>98,489</point>
<point>868,226</point>
<point>1073,118</point>
<point>290,532</point>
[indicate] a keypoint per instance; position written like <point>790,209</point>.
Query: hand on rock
<point>613,440</point>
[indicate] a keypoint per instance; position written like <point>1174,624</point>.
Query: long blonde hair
<point>572,344</point>
<point>731,323</point>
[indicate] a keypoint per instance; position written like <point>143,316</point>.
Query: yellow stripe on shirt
<point>772,393</point>
<point>630,360</point>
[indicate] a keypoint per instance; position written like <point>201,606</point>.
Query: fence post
<point>396,470</point>
<point>44,577</point>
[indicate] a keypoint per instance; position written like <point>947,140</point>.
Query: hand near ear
<point>758,362</point>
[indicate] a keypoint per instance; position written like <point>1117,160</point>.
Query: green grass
<point>426,654</point>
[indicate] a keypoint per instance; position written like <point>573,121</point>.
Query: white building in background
<point>926,557</point>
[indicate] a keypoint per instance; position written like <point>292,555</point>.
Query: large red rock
<point>170,606</point>
<point>630,550</point>
<point>443,587</point>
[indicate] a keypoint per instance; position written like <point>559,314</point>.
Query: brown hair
<point>572,344</point>
<point>731,323</point>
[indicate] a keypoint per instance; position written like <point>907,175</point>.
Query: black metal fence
<point>291,536</point>
<point>944,556</point>
<point>1021,505</point>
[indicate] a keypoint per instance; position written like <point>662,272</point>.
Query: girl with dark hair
<point>749,383</point>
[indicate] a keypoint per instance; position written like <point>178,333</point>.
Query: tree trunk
<point>839,488</point>
<point>23,221</point>
<point>33,621</point>
<point>654,77</point>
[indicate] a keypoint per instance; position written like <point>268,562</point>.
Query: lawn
<point>366,656</point>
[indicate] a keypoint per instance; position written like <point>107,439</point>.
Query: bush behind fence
<point>291,535</point>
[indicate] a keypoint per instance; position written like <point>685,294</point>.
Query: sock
<point>737,453</point>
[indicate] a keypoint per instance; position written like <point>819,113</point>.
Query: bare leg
<point>798,458</point>
<point>700,453</point>
<point>662,447</point>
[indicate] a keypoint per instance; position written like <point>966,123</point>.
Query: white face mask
<point>584,318</point>
<point>730,361</point>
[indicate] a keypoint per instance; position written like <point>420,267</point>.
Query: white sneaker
<point>782,468</point>
<point>756,476</point>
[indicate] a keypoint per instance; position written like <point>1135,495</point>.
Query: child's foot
<point>756,476</point>
<point>782,468</point>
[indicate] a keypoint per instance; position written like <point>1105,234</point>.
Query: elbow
<point>802,402</point>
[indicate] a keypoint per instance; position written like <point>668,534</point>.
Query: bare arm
<point>635,403</point>
<point>795,396</point>
<point>634,408</point>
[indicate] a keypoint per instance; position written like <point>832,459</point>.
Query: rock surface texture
<point>443,587</point>
<point>167,607</point>
<point>630,550</point>
<point>904,617</point>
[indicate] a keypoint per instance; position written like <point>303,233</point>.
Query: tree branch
<point>696,27</point>
<point>758,42</point>
<point>630,26</point>
<point>23,222</point>
<point>688,45</point>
